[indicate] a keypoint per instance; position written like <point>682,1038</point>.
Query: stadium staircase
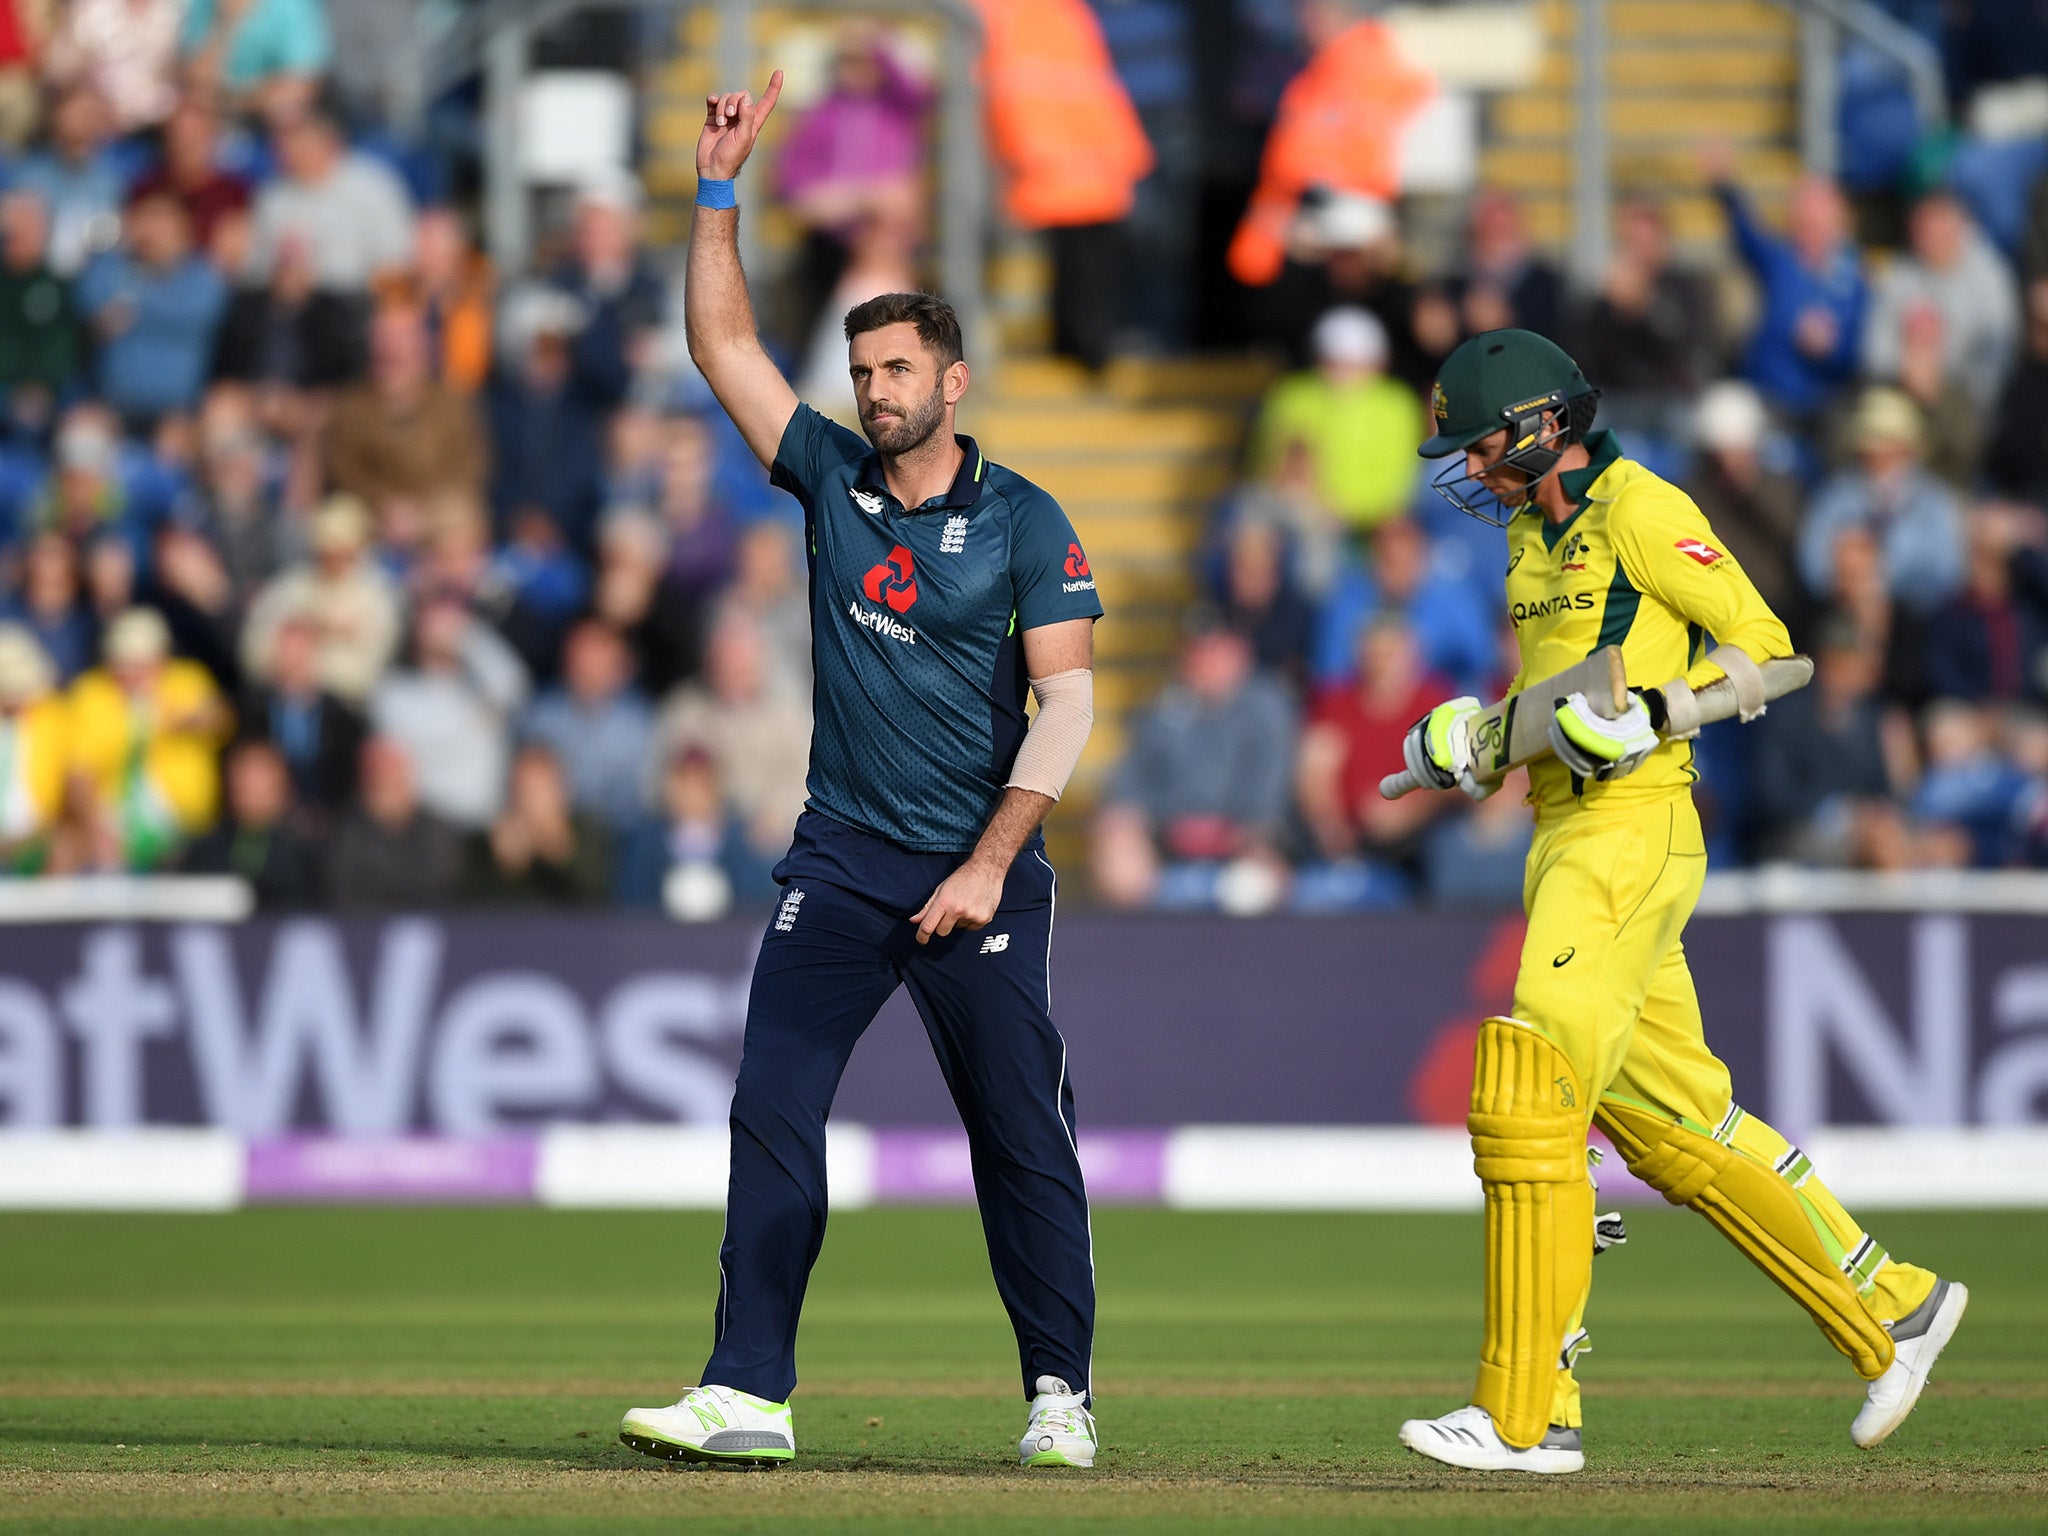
<point>1138,458</point>
<point>1678,71</point>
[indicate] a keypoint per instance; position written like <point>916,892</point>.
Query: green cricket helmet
<point>1501,380</point>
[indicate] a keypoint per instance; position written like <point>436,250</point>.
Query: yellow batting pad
<point>1760,1213</point>
<point>1528,1130</point>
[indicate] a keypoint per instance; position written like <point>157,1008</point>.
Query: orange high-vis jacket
<point>1339,127</point>
<point>1059,121</point>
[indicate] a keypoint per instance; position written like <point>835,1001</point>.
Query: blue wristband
<point>712,193</point>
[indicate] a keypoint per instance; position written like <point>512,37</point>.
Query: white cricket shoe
<point>1466,1438</point>
<point>713,1424</point>
<point>1061,1432</point>
<point>1918,1340</point>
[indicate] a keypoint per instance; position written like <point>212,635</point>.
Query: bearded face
<point>896,428</point>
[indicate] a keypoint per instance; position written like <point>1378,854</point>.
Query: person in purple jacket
<point>861,145</point>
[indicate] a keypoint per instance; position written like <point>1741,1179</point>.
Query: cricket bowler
<point>940,586</point>
<point>1606,1026</point>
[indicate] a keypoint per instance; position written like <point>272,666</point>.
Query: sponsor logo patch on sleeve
<point>1696,549</point>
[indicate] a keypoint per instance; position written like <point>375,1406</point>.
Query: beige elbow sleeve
<point>1051,748</point>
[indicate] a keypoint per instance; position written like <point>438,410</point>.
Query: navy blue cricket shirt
<point>918,705</point>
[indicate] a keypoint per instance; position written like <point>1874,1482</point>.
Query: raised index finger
<point>768,98</point>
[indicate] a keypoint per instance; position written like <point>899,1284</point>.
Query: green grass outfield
<point>461,1370</point>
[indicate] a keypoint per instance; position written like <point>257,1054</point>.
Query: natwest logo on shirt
<point>1077,570</point>
<point>894,581</point>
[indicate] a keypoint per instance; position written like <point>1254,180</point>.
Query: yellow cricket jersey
<point>1636,566</point>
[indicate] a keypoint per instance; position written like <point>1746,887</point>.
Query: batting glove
<point>1438,748</point>
<point>1594,747</point>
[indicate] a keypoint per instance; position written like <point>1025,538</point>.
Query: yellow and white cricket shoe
<point>1466,1438</point>
<point>1918,1339</point>
<point>715,1424</point>
<point>1061,1432</point>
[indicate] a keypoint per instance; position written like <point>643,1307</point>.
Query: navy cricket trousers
<point>830,959</point>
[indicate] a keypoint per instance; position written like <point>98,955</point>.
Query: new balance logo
<point>995,944</point>
<point>869,502</point>
<point>785,915</point>
<point>881,624</point>
<point>954,539</point>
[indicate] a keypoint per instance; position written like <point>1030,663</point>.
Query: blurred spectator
<point>451,707</point>
<point>47,609</point>
<point>880,258</point>
<point>1887,490</point>
<point>266,53</point>
<point>190,171</point>
<point>1259,602</point>
<point>1338,128</point>
<point>695,844</point>
<point>317,736</point>
<point>1650,334</point>
<point>34,727</point>
<point>85,492</point>
<point>1072,153</point>
<point>547,416</point>
<point>259,838</point>
<point>77,179</point>
<point>538,852</point>
<point>1453,632</point>
<point>621,297</point>
<point>1353,740</point>
<point>456,558</point>
<point>1754,508</point>
<point>1205,775</point>
<point>401,433</point>
<point>2014,461</point>
<point>351,212</point>
<point>155,307</point>
<point>1480,859</point>
<point>189,586</point>
<point>126,50</point>
<point>285,334</point>
<point>1861,597</point>
<point>453,281</point>
<point>1952,270</point>
<point>1812,297</point>
<point>379,68</point>
<point>1346,252</point>
<point>1968,788</point>
<point>145,729</point>
<point>1151,48</point>
<point>1360,425</point>
<point>696,525</point>
<point>39,351</point>
<point>1990,641</point>
<point>660,622</point>
<point>1954,420</point>
<point>1287,498</point>
<point>759,738</point>
<point>859,146</point>
<point>234,499</point>
<point>390,852</point>
<point>23,27</point>
<point>765,588</point>
<point>1505,282</point>
<point>597,726</point>
<point>1821,773</point>
<point>346,595</point>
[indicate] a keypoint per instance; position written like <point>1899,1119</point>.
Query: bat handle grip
<point>1395,785</point>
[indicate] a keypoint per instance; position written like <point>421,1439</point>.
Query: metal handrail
<point>1819,87</point>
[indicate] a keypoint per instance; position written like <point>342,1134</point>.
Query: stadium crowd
<point>332,557</point>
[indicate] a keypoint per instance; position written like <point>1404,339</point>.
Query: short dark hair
<point>938,325</point>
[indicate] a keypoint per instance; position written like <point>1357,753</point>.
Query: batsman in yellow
<point>1606,1026</point>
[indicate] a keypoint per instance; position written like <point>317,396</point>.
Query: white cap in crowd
<point>1348,335</point>
<point>1729,416</point>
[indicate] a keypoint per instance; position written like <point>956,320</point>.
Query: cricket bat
<point>1517,729</point>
